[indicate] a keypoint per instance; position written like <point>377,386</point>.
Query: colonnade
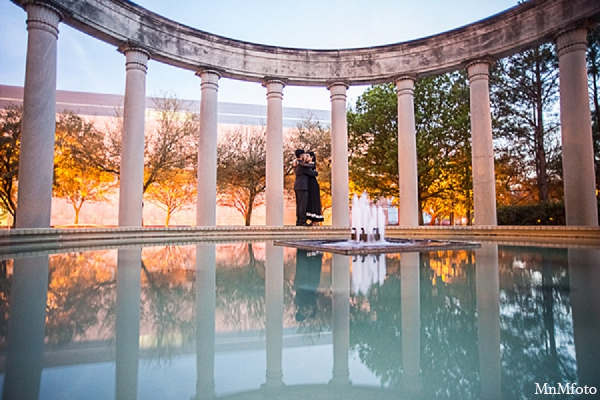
<point>38,129</point>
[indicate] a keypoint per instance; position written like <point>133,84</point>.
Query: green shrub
<point>546,213</point>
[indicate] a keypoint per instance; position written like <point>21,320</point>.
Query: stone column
<point>407,152</point>
<point>274,305</point>
<point>339,155</point>
<point>576,129</point>
<point>484,180</point>
<point>36,161</point>
<point>205,320</point>
<point>206,201</point>
<point>26,328</point>
<point>411,323</point>
<point>274,173</point>
<point>127,326</point>
<point>488,320</point>
<point>340,316</point>
<point>132,148</point>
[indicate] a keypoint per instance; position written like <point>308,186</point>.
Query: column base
<point>272,384</point>
<point>411,384</point>
<point>342,380</point>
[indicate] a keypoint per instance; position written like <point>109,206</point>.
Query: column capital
<point>337,90</point>
<point>274,87</point>
<point>571,39</point>
<point>43,16</point>
<point>268,79</point>
<point>136,57</point>
<point>209,77</point>
<point>213,73</point>
<point>405,84</point>
<point>479,69</point>
<point>126,47</point>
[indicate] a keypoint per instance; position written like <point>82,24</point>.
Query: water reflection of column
<point>129,263</point>
<point>26,328</point>
<point>205,320</point>
<point>584,275</point>
<point>274,303</point>
<point>488,320</point>
<point>411,322</point>
<point>340,326</point>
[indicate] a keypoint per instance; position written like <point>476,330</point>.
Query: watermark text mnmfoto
<point>567,388</point>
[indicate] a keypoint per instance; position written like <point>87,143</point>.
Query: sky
<point>89,65</point>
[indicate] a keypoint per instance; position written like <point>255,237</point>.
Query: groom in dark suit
<point>302,171</point>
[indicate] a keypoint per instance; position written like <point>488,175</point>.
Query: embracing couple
<point>306,187</point>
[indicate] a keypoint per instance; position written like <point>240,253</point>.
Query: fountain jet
<point>368,221</point>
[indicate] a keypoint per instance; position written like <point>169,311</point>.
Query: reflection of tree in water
<point>536,320</point>
<point>81,295</point>
<point>168,296</point>
<point>449,360</point>
<point>5,283</point>
<point>240,300</point>
<point>376,332</point>
<point>449,354</point>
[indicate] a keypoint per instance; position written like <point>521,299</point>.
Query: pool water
<point>256,320</point>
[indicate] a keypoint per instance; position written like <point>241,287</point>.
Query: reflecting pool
<point>260,321</point>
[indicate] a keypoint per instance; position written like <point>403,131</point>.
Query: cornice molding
<point>523,26</point>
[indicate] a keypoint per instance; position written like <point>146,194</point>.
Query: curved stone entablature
<point>120,21</point>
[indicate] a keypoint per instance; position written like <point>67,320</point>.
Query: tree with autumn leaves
<point>75,180</point>
<point>10,136</point>
<point>87,158</point>
<point>171,156</point>
<point>83,152</point>
<point>175,192</point>
<point>443,146</point>
<point>524,94</point>
<point>241,169</point>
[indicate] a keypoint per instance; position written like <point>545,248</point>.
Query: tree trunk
<point>434,218</point>
<point>540,151</point>
<point>468,192</point>
<point>541,164</point>
<point>248,215</point>
<point>12,209</point>
<point>168,218</point>
<point>77,210</point>
<point>3,269</point>
<point>251,258</point>
<point>421,222</point>
<point>548,315</point>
